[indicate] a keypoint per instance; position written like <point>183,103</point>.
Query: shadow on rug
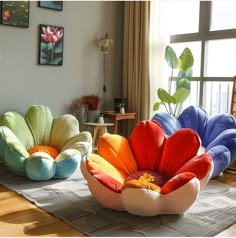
<point>70,200</point>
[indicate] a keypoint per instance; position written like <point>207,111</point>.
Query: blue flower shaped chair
<point>217,133</point>
<point>41,147</point>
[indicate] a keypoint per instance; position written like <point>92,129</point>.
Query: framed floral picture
<point>51,45</point>
<point>15,13</point>
<point>54,5</point>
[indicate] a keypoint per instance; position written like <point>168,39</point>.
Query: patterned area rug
<point>70,200</point>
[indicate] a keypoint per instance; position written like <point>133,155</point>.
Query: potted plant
<point>101,118</point>
<point>121,106</point>
<point>88,106</point>
<point>173,103</point>
<point>91,102</point>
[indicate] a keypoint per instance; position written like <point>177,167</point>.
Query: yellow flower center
<point>146,177</point>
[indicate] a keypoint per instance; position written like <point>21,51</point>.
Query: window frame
<point>204,34</point>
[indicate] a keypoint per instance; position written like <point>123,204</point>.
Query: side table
<point>98,130</point>
<point>119,116</point>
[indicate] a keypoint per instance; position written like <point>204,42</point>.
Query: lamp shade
<point>105,43</point>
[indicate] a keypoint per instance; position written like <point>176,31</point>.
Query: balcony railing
<point>217,96</point>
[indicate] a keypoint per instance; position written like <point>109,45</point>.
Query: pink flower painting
<point>6,15</point>
<point>51,45</point>
<point>51,34</point>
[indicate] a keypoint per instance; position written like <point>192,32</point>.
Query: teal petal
<point>40,169</point>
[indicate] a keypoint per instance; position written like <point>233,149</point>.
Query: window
<point>177,23</point>
<point>210,32</point>
<point>220,59</point>
<point>222,15</point>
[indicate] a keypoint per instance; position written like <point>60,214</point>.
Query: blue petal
<point>196,118</point>
<point>169,123</point>
<point>218,124</point>
<point>40,169</point>
<point>66,167</point>
<point>227,139</point>
<point>221,159</point>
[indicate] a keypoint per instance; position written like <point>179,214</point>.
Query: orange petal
<point>116,150</point>
<point>97,163</point>
<point>134,183</point>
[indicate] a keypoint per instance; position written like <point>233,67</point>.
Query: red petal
<point>107,180</point>
<point>146,141</point>
<point>177,182</point>
<point>199,165</point>
<point>179,148</point>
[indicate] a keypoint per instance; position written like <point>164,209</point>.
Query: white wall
<point>24,82</point>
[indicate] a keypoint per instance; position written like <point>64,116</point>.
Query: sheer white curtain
<point>159,39</point>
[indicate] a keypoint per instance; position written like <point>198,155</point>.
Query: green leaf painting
<point>55,5</point>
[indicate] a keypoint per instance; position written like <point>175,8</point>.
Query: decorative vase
<point>82,118</point>
<point>122,110</point>
<point>101,120</point>
<point>93,115</point>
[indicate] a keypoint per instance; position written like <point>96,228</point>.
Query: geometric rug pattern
<point>70,200</point>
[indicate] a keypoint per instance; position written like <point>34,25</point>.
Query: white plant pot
<point>101,120</point>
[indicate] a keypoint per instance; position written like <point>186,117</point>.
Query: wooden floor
<point>229,179</point>
<point>19,217</point>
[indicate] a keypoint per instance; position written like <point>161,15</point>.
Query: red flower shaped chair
<point>148,174</point>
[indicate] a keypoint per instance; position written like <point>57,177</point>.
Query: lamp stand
<point>104,72</point>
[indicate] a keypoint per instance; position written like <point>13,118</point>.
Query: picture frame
<point>54,5</point>
<point>51,41</point>
<point>15,13</point>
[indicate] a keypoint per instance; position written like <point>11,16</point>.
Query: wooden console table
<point>119,116</point>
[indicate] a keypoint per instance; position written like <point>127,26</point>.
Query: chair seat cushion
<point>154,177</point>
<point>44,148</point>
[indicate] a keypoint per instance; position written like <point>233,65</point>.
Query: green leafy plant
<point>119,105</point>
<point>173,103</point>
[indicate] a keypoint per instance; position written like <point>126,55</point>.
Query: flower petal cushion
<point>41,147</point>
<point>217,133</point>
<point>148,174</point>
